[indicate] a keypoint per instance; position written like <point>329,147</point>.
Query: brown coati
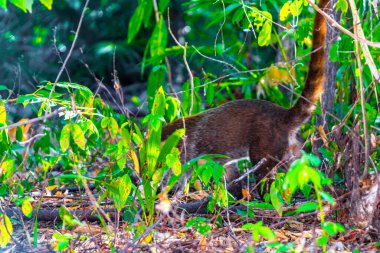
<point>253,128</point>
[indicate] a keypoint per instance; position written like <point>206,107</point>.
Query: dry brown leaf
<point>202,246</point>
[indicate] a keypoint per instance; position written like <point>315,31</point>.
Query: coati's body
<point>254,128</point>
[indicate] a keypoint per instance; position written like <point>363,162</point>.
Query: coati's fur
<point>254,128</point>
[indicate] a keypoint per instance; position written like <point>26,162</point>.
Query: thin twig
<point>216,60</point>
<point>220,28</point>
<point>361,86</point>
<point>191,78</point>
<point>252,170</point>
<point>37,136</point>
<point>31,121</point>
<point>70,51</point>
<point>344,30</point>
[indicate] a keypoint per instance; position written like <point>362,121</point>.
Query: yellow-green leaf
<point>284,12</point>
<point>113,127</point>
<point>78,136</point>
<point>7,167</point>
<point>47,3</point>
<point>265,34</point>
<point>3,113</point>
<point>21,4</point>
<point>64,141</point>
<point>342,5</point>
<point>27,208</point>
<point>296,7</point>
<point>6,230</point>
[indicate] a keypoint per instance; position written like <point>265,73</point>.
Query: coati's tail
<point>313,89</point>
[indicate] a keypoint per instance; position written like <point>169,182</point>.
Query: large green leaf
<point>159,39</point>
<point>3,4</point>
<point>21,4</point>
<point>170,143</point>
<point>135,22</point>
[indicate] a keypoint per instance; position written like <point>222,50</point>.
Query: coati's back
<point>254,128</point>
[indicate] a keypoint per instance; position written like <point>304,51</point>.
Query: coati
<point>253,128</point>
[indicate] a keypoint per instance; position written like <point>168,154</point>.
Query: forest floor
<point>170,234</point>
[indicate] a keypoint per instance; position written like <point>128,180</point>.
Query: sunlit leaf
<point>3,4</point>
<point>265,34</point>
<point>67,218</point>
<point>64,141</point>
<point>342,5</point>
<point>78,135</point>
<point>307,207</point>
<point>3,113</point>
<point>275,197</point>
<point>173,162</point>
<point>27,208</point>
<point>296,7</point>
<point>47,3</point>
<point>6,230</point>
<point>21,4</point>
<point>333,228</point>
<point>285,11</point>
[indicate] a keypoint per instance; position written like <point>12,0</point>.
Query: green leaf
<point>170,143</point>
<point>217,172</point>
<point>276,200</point>
<point>159,39</point>
<point>162,5</point>
<point>64,140</point>
<point>334,51</point>
<point>238,15</point>
<point>265,34</point>
<point>21,4</point>
<point>121,157</point>
<point>206,170</point>
<point>296,7</point>
<point>76,132</point>
<point>159,104</point>
<point>3,4</point>
<point>327,154</point>
<point>313,159</point>
<point>333,228</point>
<point>307,207</point>
<point>322,240</point>
<point>135,22</point>
<point>210,93</point>
<point>267,233</point>
<point>113,127</point>
<point>327,197</point>
<point>172,107</point>
<point>122,189</point>
<point>173,162</point>
<point>67,218</point>
<point>47,3</point>
<point>342,5</point>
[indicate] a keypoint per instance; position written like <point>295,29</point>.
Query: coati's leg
<point>232,173</point>
<point>264,171</point>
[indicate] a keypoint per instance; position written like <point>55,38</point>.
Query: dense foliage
<point>152,62</point>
